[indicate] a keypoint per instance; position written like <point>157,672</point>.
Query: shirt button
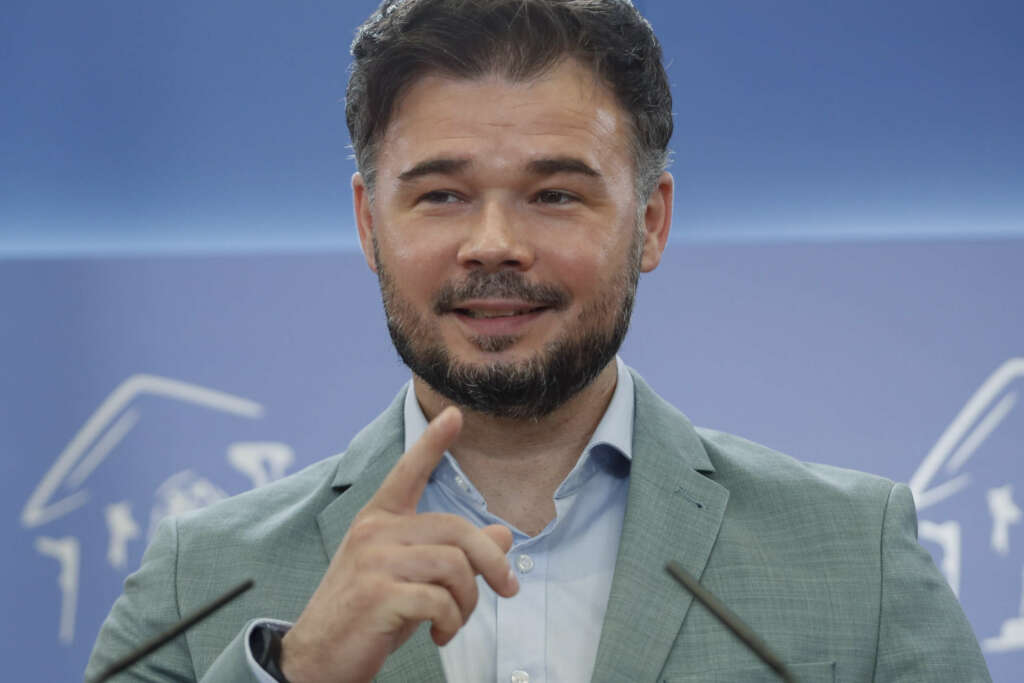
<point>519,676</point>
<point>460,481</point>
<point>525,565</point>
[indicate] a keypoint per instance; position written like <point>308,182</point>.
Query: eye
<point>555,197</point>
<point>440,197</point>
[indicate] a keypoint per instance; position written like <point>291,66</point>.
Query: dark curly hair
<point>520,39</point>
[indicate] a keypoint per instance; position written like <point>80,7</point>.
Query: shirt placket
<point>521,620</point>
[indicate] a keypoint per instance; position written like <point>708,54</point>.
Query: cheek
<point>584,272</point>
<point>417,261</point>
<point>417,278</point>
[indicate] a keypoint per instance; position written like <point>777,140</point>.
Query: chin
<point>502,349</point>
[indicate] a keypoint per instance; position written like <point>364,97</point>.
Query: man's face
<point>507,237</point>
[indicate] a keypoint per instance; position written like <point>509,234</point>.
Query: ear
<point>364,218</point>
<point>657,221</point>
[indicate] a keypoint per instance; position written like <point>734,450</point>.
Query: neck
<point>518,464</point>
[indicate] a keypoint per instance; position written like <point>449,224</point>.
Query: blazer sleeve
<point>923,634</point>
<point>148,606</point>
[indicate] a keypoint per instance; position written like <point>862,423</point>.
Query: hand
<point>395,569</point>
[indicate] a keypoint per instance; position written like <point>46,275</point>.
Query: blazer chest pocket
<point>815,672</point>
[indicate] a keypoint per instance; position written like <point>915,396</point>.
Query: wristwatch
<point>265,645</point>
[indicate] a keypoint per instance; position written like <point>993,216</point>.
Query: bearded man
<point>509,517</point>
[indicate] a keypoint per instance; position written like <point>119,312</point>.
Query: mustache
<point>506,284</point>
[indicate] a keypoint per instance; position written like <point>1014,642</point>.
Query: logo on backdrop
<point>65,490</point>
<point>969,496</point>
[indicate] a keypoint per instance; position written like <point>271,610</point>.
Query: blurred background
<point>197,126</point>
<point>184,313</point>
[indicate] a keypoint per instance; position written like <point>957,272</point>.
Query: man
<point>511,188</point>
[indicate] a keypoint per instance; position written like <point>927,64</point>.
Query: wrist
<point>290,665</point>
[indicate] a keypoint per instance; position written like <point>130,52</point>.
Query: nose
<point>495,241</point>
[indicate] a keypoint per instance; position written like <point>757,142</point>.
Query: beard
<point>529,388</point>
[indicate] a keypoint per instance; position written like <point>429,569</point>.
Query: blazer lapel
<point>673,512</point>
<point>367,460</point>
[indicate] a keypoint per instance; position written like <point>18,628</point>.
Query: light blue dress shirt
<point>550,630</point>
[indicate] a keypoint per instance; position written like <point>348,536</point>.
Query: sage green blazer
<point>822,562</point>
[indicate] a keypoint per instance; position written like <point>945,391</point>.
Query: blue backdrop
<point>184,317</point>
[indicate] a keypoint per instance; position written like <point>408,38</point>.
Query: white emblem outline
<point>40,509</point>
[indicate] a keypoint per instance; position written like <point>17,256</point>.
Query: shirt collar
<point>615,428</point>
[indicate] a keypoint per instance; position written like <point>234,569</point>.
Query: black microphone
<point>154,644</point>
<point>729,618</point>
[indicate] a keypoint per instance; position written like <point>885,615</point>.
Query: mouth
<point>497,318</point>
<point>491,313</point>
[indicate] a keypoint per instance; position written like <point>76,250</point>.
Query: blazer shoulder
<point>304,493</point>
<point>263,512</point>
<point>740,463</point>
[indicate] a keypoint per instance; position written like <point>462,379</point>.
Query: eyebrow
<point>540,167</point>
<point>440,166</point>
<point>555,165</point>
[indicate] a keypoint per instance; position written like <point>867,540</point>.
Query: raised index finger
<point>401,490</point>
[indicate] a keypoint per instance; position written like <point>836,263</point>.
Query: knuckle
<point>441,606</point>
<point>365,528</point>
<point>463,526</point>
<point>471,598</point>
<point>377,585</point>
<point>461,532</point>
<point>367,590</point>
<point>453,563</point>
<point>445,559</point>
<point>370,559</point>
<point>455,615</point>
<point>440,601</point>
<point>461,566</point>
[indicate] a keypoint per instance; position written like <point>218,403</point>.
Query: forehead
<point>566,110</point>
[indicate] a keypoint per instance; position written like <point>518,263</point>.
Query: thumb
<point>500,534</point>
